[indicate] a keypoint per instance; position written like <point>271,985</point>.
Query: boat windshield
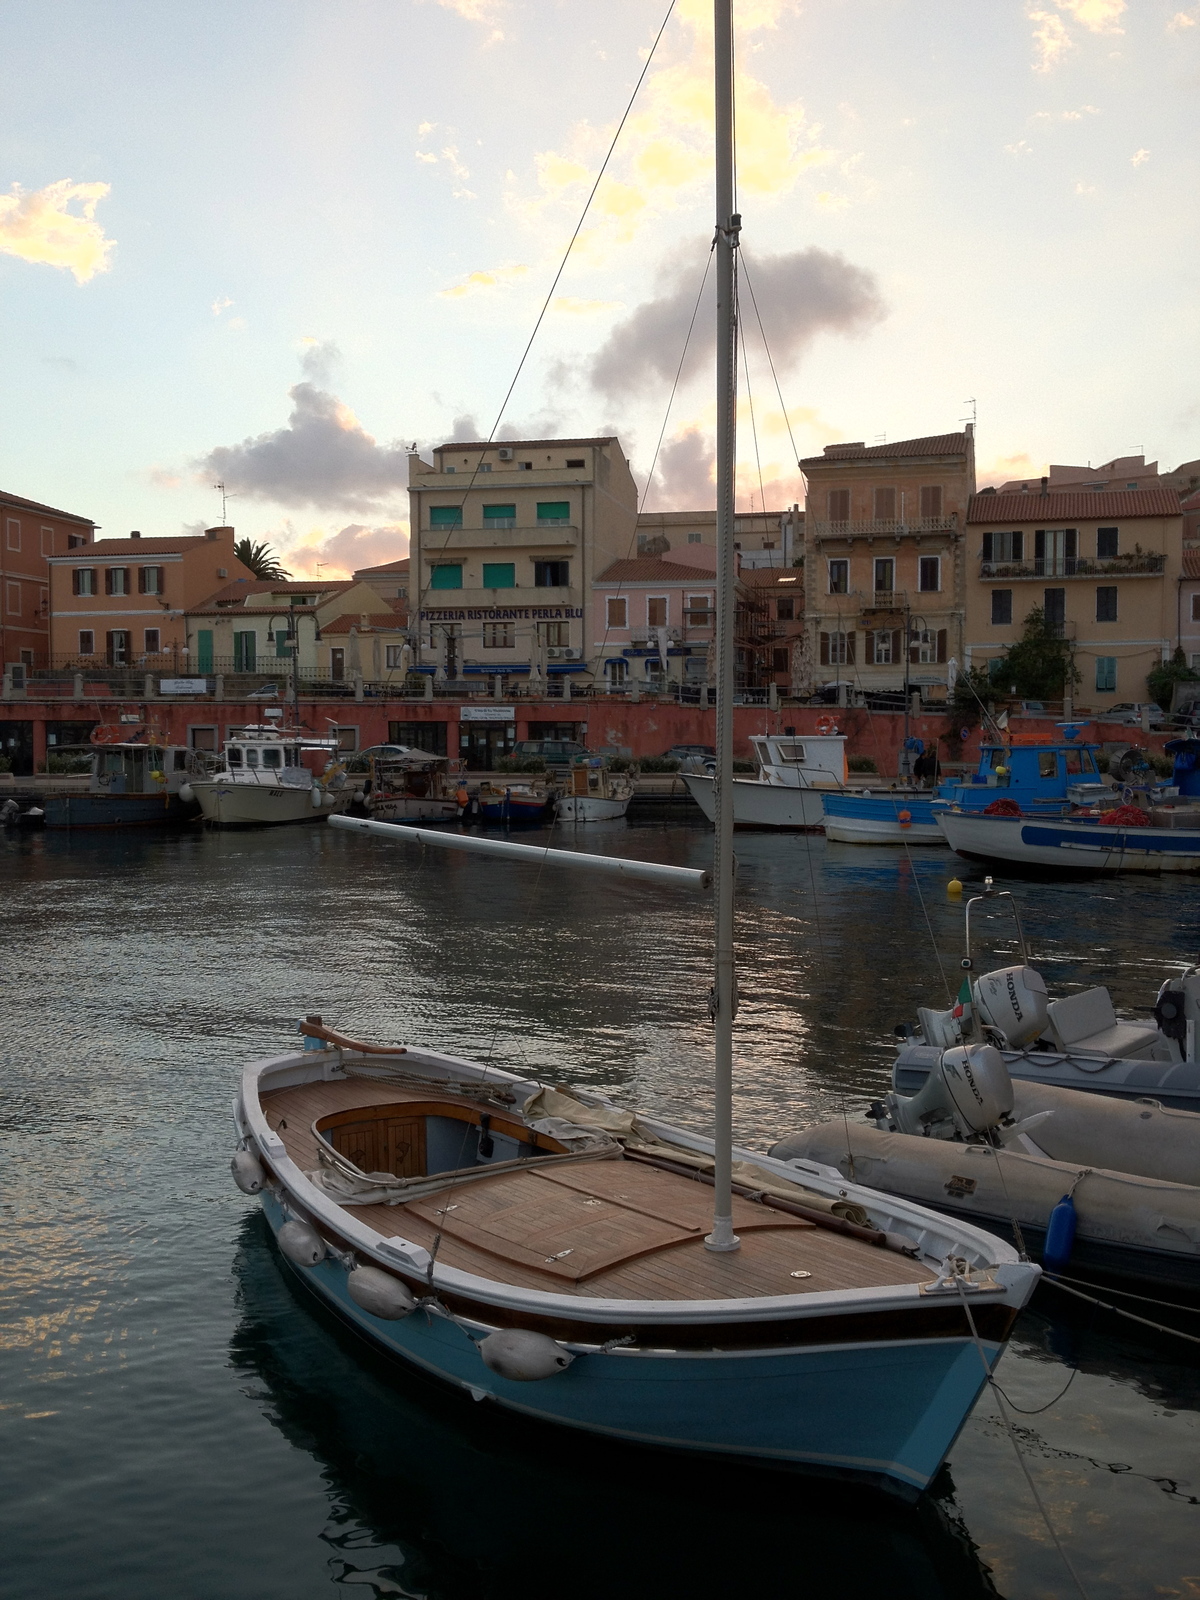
<point>272,758</point>
<point>234,755</point>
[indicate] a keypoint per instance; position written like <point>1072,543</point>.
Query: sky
<point>276,243</point>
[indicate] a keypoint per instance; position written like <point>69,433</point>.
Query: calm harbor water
<point>178,1418</point>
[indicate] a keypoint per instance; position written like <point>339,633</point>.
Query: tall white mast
<point>724,989</point>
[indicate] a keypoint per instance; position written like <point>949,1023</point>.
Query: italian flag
<point>962,1011</point>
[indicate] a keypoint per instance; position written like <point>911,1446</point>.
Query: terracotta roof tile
<point>1063,506</point>
<point>377,622</point>
<point>134,547</point>
<point>1191,563</point>
<point>938,444</point>
<point>49,511</point>
<point>388,569</point>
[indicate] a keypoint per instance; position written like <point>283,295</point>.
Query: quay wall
<point>648,728</point>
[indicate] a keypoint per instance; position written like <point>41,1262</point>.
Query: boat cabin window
<point>272,758</point>
<point>234,756</point>
<point>1074,763</point>
<point>1047,764</point>
<point>1088,764</point>
<point>251,757</point>
<point>789,750</point>
<point>180,761</point>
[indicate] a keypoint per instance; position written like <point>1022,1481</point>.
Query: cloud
<point>1139,158</point>
<point>1098,16</point>
<point>1066,116</point>
<point>39,226</point>
<point>323,457</point>
<point>222,303</point>
<point>488,278</point>
<point>1182,20</point>
<point>800,295</point>
<point>486,12</point>
<point>1051,41</point>
<point>1051,36</point>
<point>571,306</point>
<point>465,429</point>
<point>1021,148</point>
<point>685,474</point>
<point>338,555</point>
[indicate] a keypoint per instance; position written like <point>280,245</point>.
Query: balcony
<point>883,528</point>
<point>1148,565</point>
<point>503,534</point>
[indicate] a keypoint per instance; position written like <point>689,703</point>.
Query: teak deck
<point>610,1229</point>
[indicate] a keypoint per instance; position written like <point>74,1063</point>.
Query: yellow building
<point>506,541</point>
<point>1103,566</point>
<point>255,625</point>
<point>883,569</point>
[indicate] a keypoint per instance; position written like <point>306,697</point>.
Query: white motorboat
<point>594,792</point>
<point>262,781</point>
<point>794,774</point>
<point>557,1255</point>
<point>1166,839</point>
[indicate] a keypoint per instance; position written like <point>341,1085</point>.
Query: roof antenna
<point>225,495</point>
<point>973,419</point>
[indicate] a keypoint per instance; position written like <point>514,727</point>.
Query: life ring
<point>826,725</point>
<point>106,733</point>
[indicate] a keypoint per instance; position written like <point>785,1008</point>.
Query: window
<point>555,634</point>
<point>393,657</point>
<point>150,580</point>
<point>1004,546</point>
<point>499,516</point>
<point>116,647</point>
<point>1047,764</point>
<point>524,466</point>
<point>244,652</point>
<point>347,738</point>
<point>653,668</point>
<point>656,612</point>
<point>781,661</point>
<point>87,642</point>
<point>785,608</point>
<point>499,575</point>
<point>203,738</point>
<point>839,576</point>
<point>1001,607</point>
<point>931,502</point>
<point>283,641</point>
<point>1106,674</point>
<point>1196,608</point>
<point>47,541</point>
<point>150,643</point>
<point>484,466</point>
<point>204,649</point>
<point>695,538</point>
<point>445,516</point>
<point>839,505</point>
<point>1054,552</point>
<point>1106,604</point>
<point>14,534</point>
<point>617,672</point>
<point>116,580</point>
<point>837,649</point>
<point>885,505</point>
<point>430,736</point>
<point>446,576</point>
<point>879,647</point>
<point>927,646</point>
<point>1107,540</point>
<point>272,758</point>
<point>499,636</point>
<point>929,578</point>
<point>83,580</point>
<point>885,574</point>
<point>74,540</point>
<point>12,599</point>
<point>699,610</point>
<point>556,511</point>
<point>1054,604</point>
<point>552,574</point>
<point>576,461</point>
<point>618,608</point>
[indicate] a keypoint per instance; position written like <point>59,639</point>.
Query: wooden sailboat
<point>562,1257</point>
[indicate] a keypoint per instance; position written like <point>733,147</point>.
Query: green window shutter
<point>499,513</point>
<point>283,641</point>
<point>554,511</point>
<point>448,576</point>
<point>499,575</point>
<point>445,516</point>
<point>243,652</point>
<point>204,649</point>
<point>1106,674</point>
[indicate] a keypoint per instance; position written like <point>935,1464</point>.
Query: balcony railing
<point>882,527</point>
<point>1148,565</point>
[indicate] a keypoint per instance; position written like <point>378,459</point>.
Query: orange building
<point>122,601</point>
<point>29,534</point>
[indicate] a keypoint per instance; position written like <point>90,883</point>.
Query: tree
<point>1039,666</point>
<point>261,559</point>
<point>1161,680</point>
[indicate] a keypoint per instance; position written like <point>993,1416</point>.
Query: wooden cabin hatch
<point>424,1138</point>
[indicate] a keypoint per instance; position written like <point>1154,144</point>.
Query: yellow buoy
<point>954,889</point>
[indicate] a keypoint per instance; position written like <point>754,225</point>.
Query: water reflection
<point>432,1495</point>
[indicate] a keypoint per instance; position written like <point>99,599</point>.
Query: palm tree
<point>261,559</point>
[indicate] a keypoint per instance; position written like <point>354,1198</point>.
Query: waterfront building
<point>762,538</point>
<point>884,575</point>
<point>124,602</point>
<point>30,533</point>
<point>775,620</point>
<point>253,625</point>
<point>1102,565</point>
<point>653,619</point>
<point>1123,473</point>
<point>506,541</point>
<point>372,645</point>
<point>389,580</point>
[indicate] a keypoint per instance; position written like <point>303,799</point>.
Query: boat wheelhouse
<point>794,774</point>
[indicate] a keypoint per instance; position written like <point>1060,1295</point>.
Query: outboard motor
<point>968,1092</point>
<point>1012,1001</point>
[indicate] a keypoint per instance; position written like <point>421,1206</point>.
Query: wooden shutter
<point>869,649</point>
<point>931,501</point>
<point>1018,546</point>
<point>1070,542</point>
<point>914,653</point>
<point>987,547</point>
<point>896,656</point>
<point>1039,545</point>
<point>941,649</point>
<point>824,649</point>
<point>885,505</point>
<point>839,505</point>
<point>849,649</point>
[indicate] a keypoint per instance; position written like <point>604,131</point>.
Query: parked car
<point>554,752</point>
<point>1129,714</point>
<point>681,752</point>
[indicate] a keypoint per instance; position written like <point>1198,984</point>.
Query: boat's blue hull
<point>511,811</point>
<point>1072,846</point>
<point>885,1411</point>
<point>880,819</point>
<point>116,810</point>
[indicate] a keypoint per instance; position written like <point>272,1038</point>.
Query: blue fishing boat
<point>130,784</point>
<point>1037,776</point>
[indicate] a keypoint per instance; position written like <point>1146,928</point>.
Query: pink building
<point>653,619</point>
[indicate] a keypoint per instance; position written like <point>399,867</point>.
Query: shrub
<point>861,764</point>
<point>5,763</point>
<point>744,766</point>
<point>1161,680</point>
<point>657,764</point>
<point>521,764</point>
<point>67,764</point>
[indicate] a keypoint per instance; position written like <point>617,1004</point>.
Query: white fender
<point>301,1243</point>
<point>186,793</point>
<point>316,797</point>
<point>523,1356</point>
<point>379,1293</point>
<point>248,1172</point>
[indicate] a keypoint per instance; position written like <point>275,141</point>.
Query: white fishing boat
<point>794,775</point>
<point>594,792</point>
<point>262,781</point>
<point>1128,840</point>
<point>550,1252</point>
<point>407,785</point>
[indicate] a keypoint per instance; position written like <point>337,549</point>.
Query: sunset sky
<point>279,241</point>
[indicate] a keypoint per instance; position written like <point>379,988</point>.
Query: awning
<point>567,666</point>
<point>493,669</point>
